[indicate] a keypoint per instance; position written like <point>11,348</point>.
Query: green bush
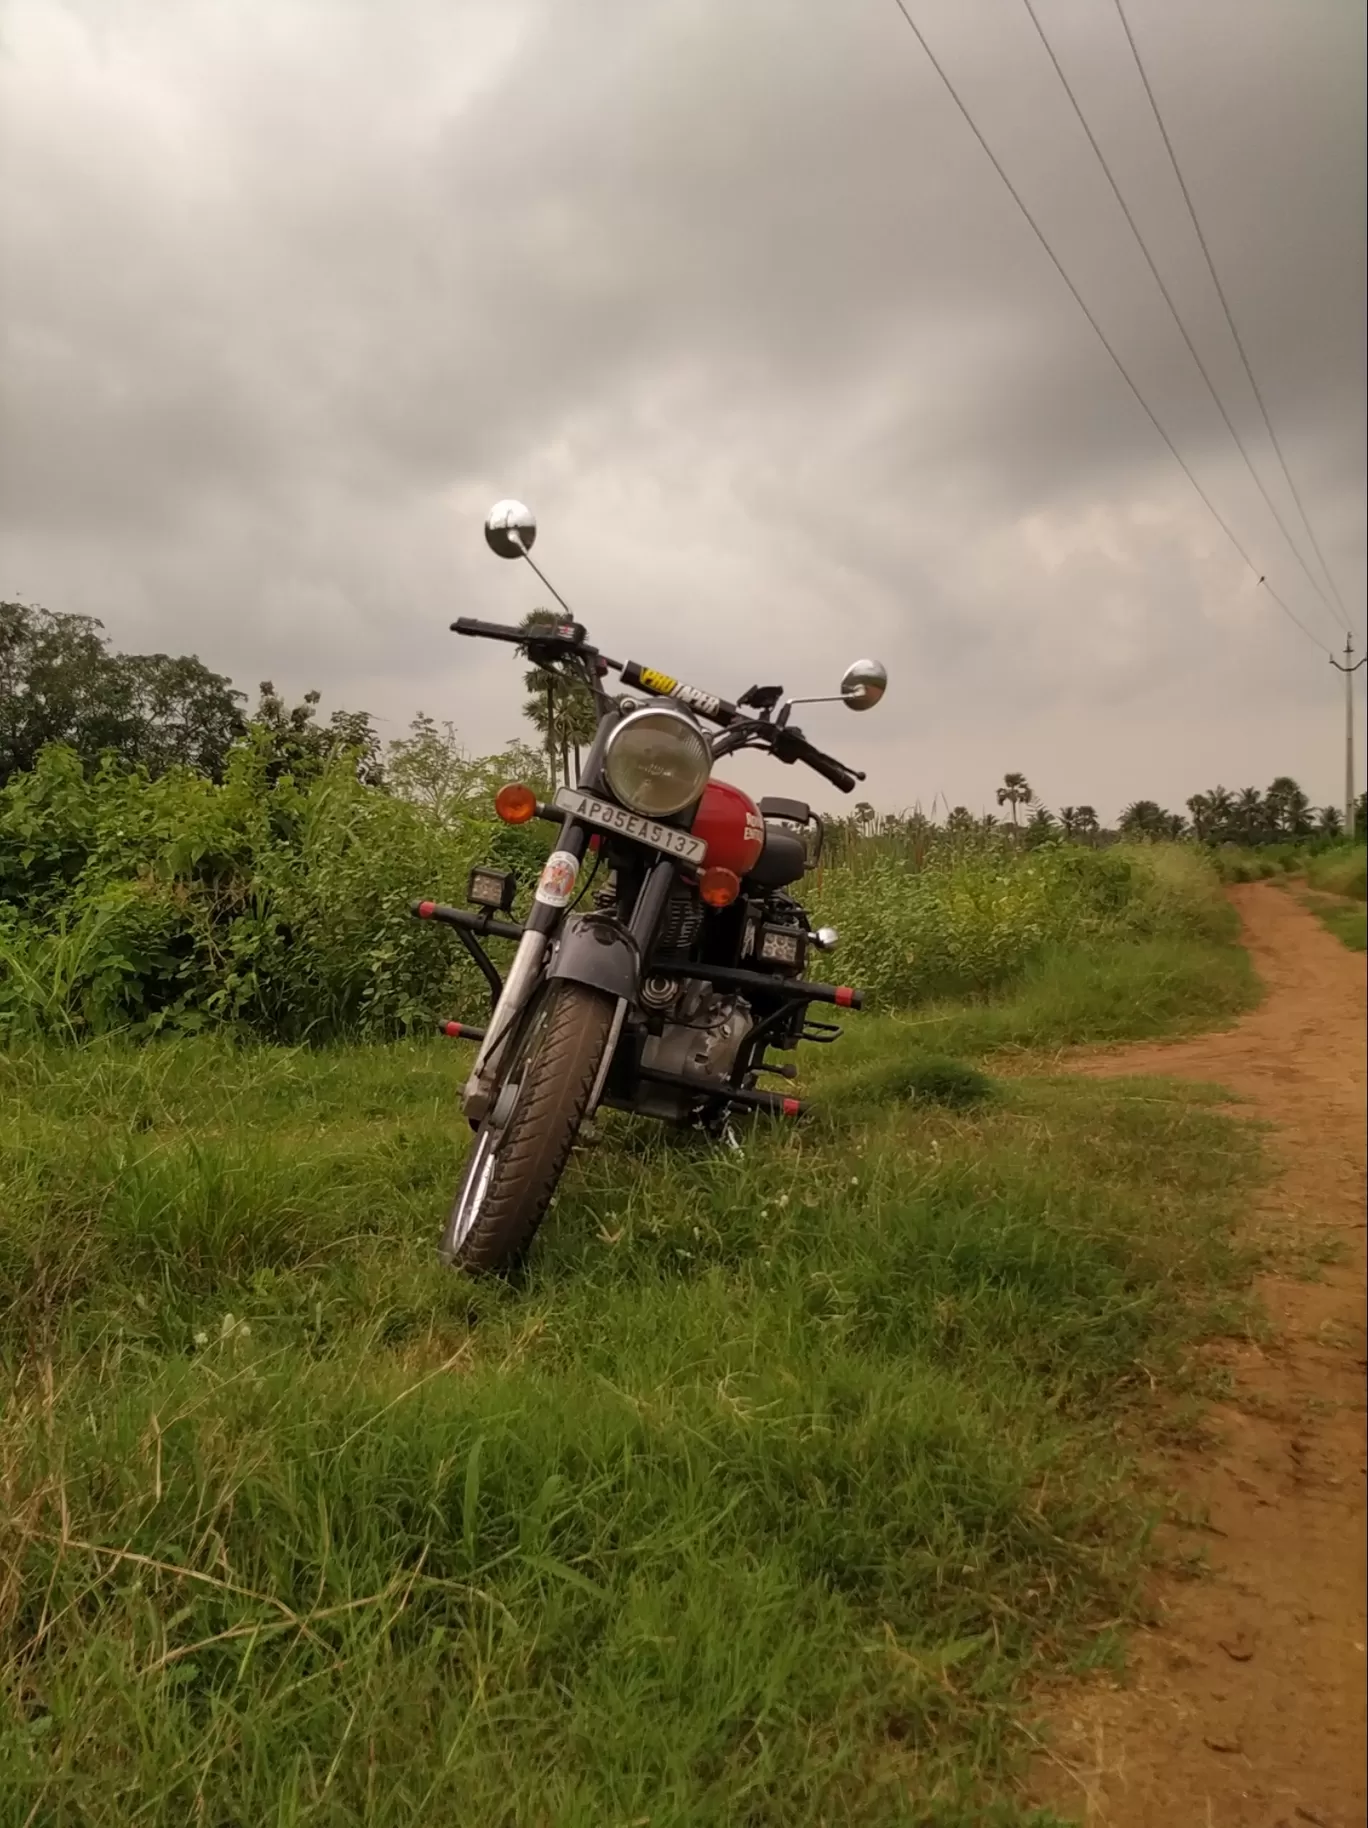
<point>973,917</point>
<point>280,909</point>
<point>129,903</point>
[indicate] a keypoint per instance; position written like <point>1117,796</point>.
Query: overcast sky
<point>293,289</point>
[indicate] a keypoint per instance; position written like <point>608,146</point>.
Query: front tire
<point>521,1148</point>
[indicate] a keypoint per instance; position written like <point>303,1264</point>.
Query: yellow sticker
<point>657,682</point>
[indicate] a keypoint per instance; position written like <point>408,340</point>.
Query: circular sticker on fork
<point>557,881</point>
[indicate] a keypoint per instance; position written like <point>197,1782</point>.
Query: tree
<point>1248,818</point>
<point>430,768</point>
<point>59,683</point>
<point>1222,802</point>
<point>960,820</point>
<point>1015,791</point>
<point>1146,819</point>
<point>182,715</point>
<point>301,747</point>
<point>864,816</point>
<point>1330,822</point>
<point>1040,826</point>
<point>1078,822</point>
<point>1288,808</point>
<point>560,708</point>
<point>1199,806</point>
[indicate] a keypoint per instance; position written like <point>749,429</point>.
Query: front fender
<point>594,949</point>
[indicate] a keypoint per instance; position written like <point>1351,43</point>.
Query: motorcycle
<point>664,995</point>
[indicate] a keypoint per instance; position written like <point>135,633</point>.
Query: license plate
<point>608,817</point>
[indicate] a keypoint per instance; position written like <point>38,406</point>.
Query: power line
<point>1173,309</point>
<point>1225,307</point>
<point>1120,366</point>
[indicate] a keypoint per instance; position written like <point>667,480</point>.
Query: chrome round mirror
<point>864,684</point>
<point>510,529</point>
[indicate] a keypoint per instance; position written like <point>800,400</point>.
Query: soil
<point>1243,1703</point>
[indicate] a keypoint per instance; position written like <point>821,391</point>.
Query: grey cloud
<point>732,295</point>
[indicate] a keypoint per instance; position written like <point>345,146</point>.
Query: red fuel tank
<point>730,824</point>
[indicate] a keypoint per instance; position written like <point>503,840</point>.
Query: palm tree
<point>560,708</point>
<point>1040,826</point>
<point>1088,823</point>
<point>1146,819</point>
<point>1201,809</point>
<point>1222,810</point>
<point>1329,822</point>
<point>1068,822</point>
<point>1015,791</point>
<point>1249,815</point>
<point>1288,807</point>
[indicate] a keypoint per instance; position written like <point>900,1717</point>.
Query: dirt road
<point>1244,1705</point>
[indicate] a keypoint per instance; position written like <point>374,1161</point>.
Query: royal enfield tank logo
<point>755,828</point>
<point>557,881</point>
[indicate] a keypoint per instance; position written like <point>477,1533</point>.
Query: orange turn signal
<point>719,887</point>
<point>515,804</point>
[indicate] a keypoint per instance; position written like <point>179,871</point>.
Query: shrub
<point>1340,872</point>
<point>280,909</point>
<point>973,917</point>
<point>169,904</point>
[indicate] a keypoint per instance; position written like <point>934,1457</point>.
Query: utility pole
<point>1348,666</point>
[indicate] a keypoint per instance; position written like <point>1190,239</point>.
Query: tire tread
<point>560,1077</point>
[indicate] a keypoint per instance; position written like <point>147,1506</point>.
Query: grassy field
<point>1346,920</point>
<point>760,1504</point>
<point>1338,884</point>
<point>1340,872</point>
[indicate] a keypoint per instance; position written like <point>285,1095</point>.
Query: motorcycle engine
<point>702,1040</point>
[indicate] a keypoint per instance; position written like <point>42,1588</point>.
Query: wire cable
<point>1174,312</point>
<point>1225,307</point>
<point>1078,298</point>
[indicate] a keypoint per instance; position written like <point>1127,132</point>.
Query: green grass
<point>761,1502</point>
<point>1348,922</point>
<point>1337,881</point>
<point>1340,872</point>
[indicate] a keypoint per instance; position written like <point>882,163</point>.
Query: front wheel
<point>521,1148</point>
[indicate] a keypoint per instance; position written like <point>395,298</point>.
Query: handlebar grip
<point>840,777</point>
<point>492,631</point>
<point>793,747</point>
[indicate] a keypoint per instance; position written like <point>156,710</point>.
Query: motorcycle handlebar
<point>492,631</point>
<point>787,745</point>
<point>795,748</point>
<point>664,685</point>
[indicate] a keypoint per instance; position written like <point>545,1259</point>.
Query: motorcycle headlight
<point>657,761</point>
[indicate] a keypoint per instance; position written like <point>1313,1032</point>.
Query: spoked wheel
<point>521,1148</point>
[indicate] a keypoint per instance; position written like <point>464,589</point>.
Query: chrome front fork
<point>521,981</point>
